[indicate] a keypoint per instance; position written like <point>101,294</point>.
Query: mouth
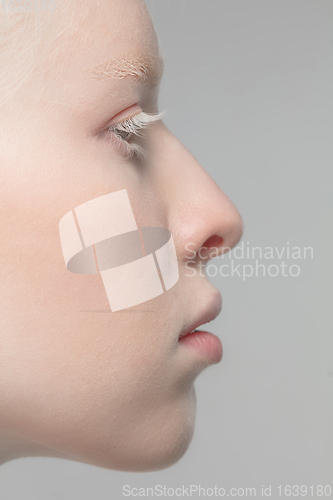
<point>205,346</point>
<point>209,314</point>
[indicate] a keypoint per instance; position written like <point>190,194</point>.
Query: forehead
<point>93,31</point>
<point>90,36</point>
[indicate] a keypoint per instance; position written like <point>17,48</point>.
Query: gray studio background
<point>248,85</point>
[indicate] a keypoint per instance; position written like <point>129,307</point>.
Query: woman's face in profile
<point>113,389</point>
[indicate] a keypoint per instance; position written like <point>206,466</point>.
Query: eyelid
<point>135,123</point>
<point>125,114</point>
<point>132,126</point>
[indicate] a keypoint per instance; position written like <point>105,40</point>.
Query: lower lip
<point>205,343</point>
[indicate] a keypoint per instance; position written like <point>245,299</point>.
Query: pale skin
<point>110,389</point>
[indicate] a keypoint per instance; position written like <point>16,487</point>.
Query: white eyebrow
<point>146,68</point>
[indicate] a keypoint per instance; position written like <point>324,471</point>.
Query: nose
<point>201,218</point>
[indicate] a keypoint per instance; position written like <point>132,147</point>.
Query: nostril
<point>213,241</point>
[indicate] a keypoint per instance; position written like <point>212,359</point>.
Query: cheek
<point>64,356</point>
<point>89,381</point>
<point>98,386</point>
<point>63,349</point>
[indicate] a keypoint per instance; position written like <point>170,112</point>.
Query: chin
<point>153,443</point>
<point>166,439</point>
<point>167,449</point>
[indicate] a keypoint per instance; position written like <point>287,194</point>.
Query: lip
<point>210,313</point>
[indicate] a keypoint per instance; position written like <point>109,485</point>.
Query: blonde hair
<point>26,38</point>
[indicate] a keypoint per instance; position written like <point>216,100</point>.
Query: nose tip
<point>210,226</point>
<point>228,230</point>
<point>200,212</point>
<point>232,226</point>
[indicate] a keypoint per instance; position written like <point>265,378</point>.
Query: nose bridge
<point>200,213</point>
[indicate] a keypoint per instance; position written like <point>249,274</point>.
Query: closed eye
<point>133,126</point>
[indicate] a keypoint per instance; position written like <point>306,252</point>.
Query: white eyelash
<point>134,125</point>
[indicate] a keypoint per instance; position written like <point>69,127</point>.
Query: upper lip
<point>208,314</point>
